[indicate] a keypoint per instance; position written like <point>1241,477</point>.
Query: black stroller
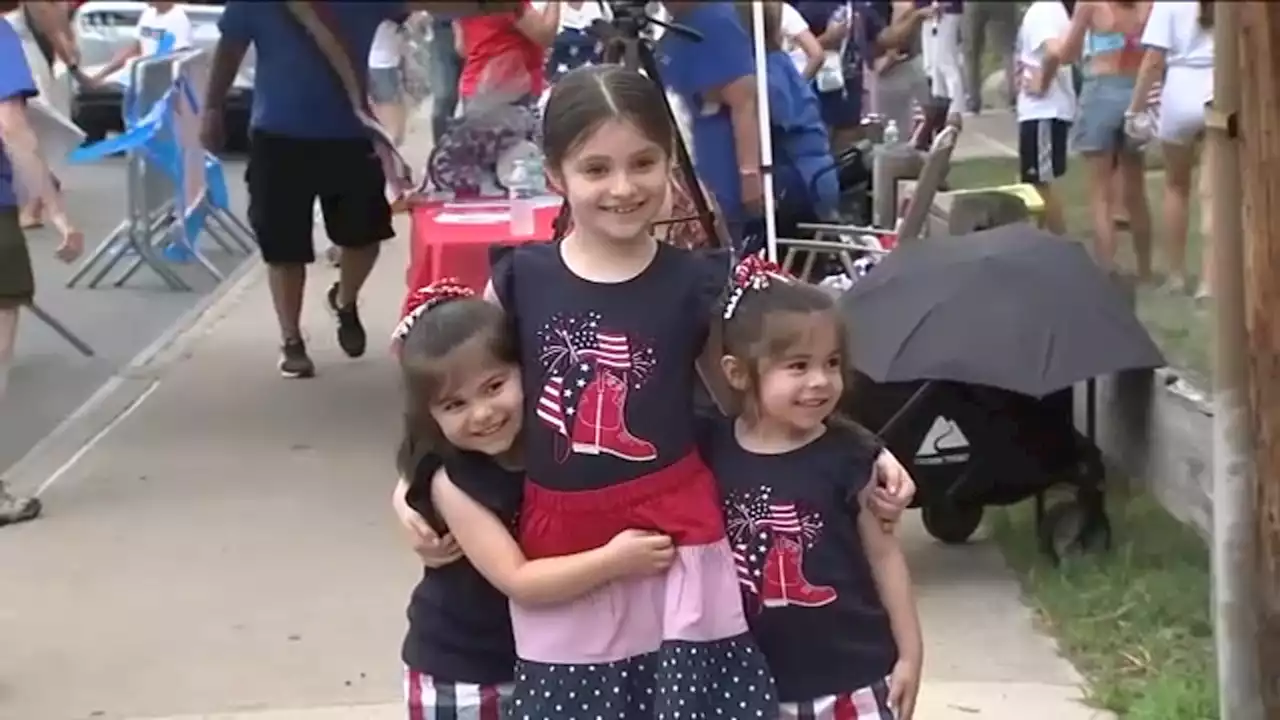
<point>970,446</point>
<point>971,349</point>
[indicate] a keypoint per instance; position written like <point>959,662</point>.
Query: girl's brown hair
<point>761,327</point>
<point>587,97</point>
<point>1206,14</point>
<point>423,354</point>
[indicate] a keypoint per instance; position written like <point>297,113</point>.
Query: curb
<point>44,463</point>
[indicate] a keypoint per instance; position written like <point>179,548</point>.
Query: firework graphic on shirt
<point>572,350</point>
<point>753,519</point>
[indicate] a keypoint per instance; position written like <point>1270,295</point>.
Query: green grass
<point>1134,621</point>
<point>1179,324</point>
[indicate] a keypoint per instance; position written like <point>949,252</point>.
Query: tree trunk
<point>1259,56</point>
<point>1235,560</point>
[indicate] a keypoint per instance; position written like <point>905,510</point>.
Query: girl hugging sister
<point>644,617</point>
<point>461,376</point>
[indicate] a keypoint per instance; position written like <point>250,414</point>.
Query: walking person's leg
<point>974,44</point>
<point>358,220</point>
<point>282,191</point>
<point>17,288</point>
<point>446,68</point>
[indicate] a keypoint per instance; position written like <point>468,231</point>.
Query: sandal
<point>15,509</point>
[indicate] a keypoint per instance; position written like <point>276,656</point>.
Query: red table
<point>452,238</point>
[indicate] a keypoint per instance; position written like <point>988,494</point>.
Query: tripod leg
<point>638,55</point>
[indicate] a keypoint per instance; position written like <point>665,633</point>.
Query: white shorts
<point>1182,103</point>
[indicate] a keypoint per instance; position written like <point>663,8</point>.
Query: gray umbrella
<point>1013,307</point>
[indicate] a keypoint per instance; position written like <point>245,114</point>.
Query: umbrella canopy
<point>1013,307</point>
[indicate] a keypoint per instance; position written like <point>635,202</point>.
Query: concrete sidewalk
<point>219,545</point>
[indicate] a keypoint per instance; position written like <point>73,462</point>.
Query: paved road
<point>50,380</point>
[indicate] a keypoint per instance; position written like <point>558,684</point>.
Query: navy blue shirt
<point>295,91</point>
<point>810,596</point>
<point>15,82</point>
<point>608,369</point>
<point>691,69</point>
<point>460,624</point>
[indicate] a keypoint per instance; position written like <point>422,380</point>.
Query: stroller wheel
<point>952,524</point>
<point>1073,527</point>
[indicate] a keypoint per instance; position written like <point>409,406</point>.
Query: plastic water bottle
<point>520,194</point>
<point>537,176</point>
<point>892,135</point>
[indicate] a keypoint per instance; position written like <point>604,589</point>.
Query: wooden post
<point>1234,551</point>
<point>1259,57</point>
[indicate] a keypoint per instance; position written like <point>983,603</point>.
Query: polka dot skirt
<point>724,680</point>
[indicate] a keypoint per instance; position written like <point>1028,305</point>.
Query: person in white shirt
<point>157,21</point>
<point>800,43</point>
<point>386,81</point>
<point>1046,104</point>
<point>1179,38</point>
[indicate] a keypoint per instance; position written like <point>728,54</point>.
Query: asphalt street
<point>50,379</point>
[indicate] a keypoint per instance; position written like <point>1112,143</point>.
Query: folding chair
<point>844,241</point>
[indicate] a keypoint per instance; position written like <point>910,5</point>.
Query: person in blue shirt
<point>715,77</point>
<point>802,150</point>
<point>306,144</point>
<point>21,163</point>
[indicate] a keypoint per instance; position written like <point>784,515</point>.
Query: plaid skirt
<point>429,699</point>
<point>868,703</point>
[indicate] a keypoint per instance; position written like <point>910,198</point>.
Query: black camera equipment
<point>628,42</point>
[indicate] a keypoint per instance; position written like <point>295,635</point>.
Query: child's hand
<point>638,552</point>
<point>893,490</point>
<point>904,686</point>
<point>434,551</point>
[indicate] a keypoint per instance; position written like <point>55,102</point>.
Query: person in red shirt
<point>505,52</point>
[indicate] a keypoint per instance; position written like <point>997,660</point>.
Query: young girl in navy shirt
<point>825,582</point>
<point>462,451</point>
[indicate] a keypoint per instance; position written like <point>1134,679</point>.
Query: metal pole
<point>1234,548</point>
<point>766,136</point>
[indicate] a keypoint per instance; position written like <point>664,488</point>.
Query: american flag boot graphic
<point>599,423</point>
<point>784,583</point>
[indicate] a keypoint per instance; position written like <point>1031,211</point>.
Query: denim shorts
<point>385,85</point>
<point>1099,125</point>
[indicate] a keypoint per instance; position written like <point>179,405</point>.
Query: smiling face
<point>616,181</point>
<point>479,401</point>
<point>799,386</point>
<point>608,138</point>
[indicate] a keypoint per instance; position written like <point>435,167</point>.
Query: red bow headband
<point>425,298</point>
<point>753,272</point>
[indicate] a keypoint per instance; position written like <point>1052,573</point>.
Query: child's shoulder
<point>497,489</point>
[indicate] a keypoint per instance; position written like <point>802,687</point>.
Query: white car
<point>104,27</point>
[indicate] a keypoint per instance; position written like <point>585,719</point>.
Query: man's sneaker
<point>15,509</point>
<point>351,335</point>
<point>294,361</point>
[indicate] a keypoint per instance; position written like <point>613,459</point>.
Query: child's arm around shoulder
<point>893,583</point>
<point>489,546</point>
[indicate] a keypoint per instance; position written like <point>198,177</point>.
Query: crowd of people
<point>596,542</point>
<point>1143,74</point>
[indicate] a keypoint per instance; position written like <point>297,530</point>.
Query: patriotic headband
<point>425,298</point>
<point>753,272</point>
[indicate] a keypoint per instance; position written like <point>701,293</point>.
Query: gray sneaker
<point>15,509</point>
